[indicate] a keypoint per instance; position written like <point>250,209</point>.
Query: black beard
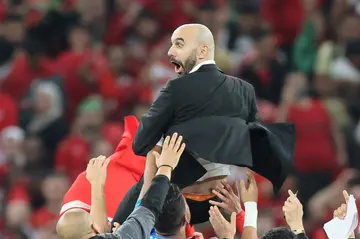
<point>190,63</point>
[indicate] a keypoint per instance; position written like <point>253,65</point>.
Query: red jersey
<point>124,170</point>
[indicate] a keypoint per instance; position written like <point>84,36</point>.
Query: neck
<point>179,235</point>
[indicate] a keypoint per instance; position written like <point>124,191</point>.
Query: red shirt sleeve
<point>240,222</point>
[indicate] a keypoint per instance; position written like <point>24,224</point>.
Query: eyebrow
<point>180,39</point>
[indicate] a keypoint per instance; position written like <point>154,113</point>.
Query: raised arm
<point>142,220</point>
<point>155,122</point>
<point>96,175</point>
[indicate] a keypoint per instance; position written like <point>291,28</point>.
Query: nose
<point>171,52</point>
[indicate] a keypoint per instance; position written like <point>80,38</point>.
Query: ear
<point>202,52</point>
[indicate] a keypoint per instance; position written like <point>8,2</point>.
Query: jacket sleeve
<point>138,225</point>
<point>155,122</point>
<point>253,111</point>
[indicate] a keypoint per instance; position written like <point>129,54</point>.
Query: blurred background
<point>70,70</point>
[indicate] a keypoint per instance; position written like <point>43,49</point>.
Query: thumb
<point>233,220</point>
<point>156,154</point>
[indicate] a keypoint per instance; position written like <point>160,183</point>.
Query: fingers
<point>228,188</point>
<point>219,195</point>
<point>242,186</point>
<point>178,143</point>
<point>106,163</point>
<point>172,141</point>
<point>223,191</point>
<point>181,150</point>
<point>346,196</point>
<point>251,178</point>
<point>215,213</point>
<point>341,211</point>
<point>166,142</point>
<point>218,204</point>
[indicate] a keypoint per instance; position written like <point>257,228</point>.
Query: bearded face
<point>183,67</point>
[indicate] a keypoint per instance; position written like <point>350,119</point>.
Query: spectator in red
<point>124,16</point>
<point>27,68</point>
<point>320,148</point>
<point>74,151</point>
<point>84,69</point>
<point>53,188</point>
<point>8,111</point>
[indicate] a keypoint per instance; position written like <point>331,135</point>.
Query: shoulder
<point>242,83</point>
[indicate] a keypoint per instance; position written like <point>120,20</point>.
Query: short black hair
<point>172,216</point>
<point>279,233</point>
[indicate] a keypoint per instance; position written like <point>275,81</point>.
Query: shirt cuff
<point>161,142</point>
<point>138,203</point>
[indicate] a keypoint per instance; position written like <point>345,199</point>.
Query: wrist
<point>164,171</point>
<point>298,226</point>
<point>97,183</point>
<point>167,166</point>
<point>251,214</point>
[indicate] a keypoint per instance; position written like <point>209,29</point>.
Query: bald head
<point>191,45</point>
<point>201,34</point>
<point>75,224</point>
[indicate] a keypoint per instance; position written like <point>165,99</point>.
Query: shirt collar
<point>208,62</point>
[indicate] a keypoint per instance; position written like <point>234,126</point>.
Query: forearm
<point>338,138</point>
<point>155,196</point>
<point>98,207</point>
<point>138,225</point>
<point>149,174</point>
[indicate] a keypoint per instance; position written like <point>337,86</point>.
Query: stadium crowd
<point>70,70</point>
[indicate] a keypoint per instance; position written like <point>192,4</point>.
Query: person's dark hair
<point>6,50</point>
<point>172,216</point>
<point>261,33</point>
<point>279,233</point>
<point>352,48</point>
<point>33,46</point>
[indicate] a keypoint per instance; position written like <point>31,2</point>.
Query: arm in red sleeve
<point>240,218</point>
<point>240,222</point>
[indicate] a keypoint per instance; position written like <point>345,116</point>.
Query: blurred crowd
<point>70,70</point>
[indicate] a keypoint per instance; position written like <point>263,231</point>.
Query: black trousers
<point>199,210</point>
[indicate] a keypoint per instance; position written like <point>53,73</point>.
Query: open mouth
<point>178,67</point>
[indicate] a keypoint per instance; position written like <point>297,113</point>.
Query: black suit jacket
<point>217,116</point>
